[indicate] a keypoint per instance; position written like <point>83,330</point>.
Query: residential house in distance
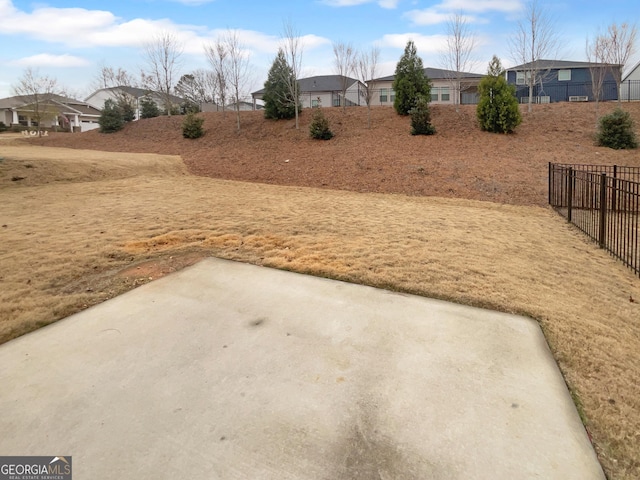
<point>325,91</point>
<point>53,111</point>
<point>630,87</point>
<point>562,81</point>
<point>442,87</point>
<point>132,94</point>
<point>243,106</point>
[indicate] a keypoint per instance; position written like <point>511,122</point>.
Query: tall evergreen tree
<point>410,81</point>
<point>498,109</point>
<point>278,101</point>
<point>110,117</point>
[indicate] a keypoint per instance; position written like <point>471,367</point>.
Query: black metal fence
<point>564,92</point>
<point>604,202</point>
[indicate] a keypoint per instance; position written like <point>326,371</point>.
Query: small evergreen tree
<point>319,128</point>
<point>189,107</point>
<point>127,110</point>
<point>148,108</point>
<point>110,118</point>
<point>3,127</point>
<point>616,131</point>
<point>410,81</point>
<point>192,126</point>
<point>278,101</point>
<point>498,109</point>
<point>421,118</point>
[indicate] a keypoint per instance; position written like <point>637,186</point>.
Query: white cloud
<point>430,16</point>
<point>388,4</point>
<point>48,60</point>
<point>424,43</point>
<point>441,12</point>
<point>97,28</point>
<point>479,6</point>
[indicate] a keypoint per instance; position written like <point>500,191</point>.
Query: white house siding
<point>98,98</point>
<point>378,98</point>
<point>354,95</point>
<point>86,126</point>
<point>630,88</point>
<point>384,95</point>
<point>308,99</point>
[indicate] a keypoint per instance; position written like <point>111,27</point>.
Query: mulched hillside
<point>459,161</point>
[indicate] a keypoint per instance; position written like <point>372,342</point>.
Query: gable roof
<point>631,70</point>
<point>434,74</point>
<point>320,83</point>
<point>558,64</point>
<point>76,106</point>
<point>136,92</point>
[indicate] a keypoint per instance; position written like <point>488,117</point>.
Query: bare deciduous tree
<point>366,67</point>
<point>238,69</point>
<point>458,56</point>
<point>293,48</point>
<point>219,60</point>
<point>535,39</point>
<point>197,87</point>
<point>622,44</point>
<point>108,77</point>
<point>36,91</point>
<point>344,61</point>
<point>598,55</point>
<point>163,57</point>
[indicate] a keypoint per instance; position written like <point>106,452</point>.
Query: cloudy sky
<point>71,39</point>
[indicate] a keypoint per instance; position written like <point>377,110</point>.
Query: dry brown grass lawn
<point>84,226</point>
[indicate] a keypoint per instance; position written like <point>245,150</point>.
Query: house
<point>443,87</point>
<point>133,95</point>
<point>48,111</point>
<point>562,81</point>
<point>630,87</point>
<point>325,91</point>
<point>243,106</point>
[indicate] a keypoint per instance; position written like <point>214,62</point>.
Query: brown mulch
<point>459,161</point>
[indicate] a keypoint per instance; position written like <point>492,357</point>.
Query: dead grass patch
<point>71,244</point>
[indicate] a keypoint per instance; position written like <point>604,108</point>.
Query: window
<point>314,103</point>
<point>384,95</point>
<point>393,95</point>
<point>564,75</point>
<point>520,78</point>
<point>336,101</point>
<point>440,94</point>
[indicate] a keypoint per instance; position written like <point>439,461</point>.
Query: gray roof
<point>320,83</point>
<point>435,74</point>
<point>73,104</point>
<point>137,92</point>
<point>558,64</point>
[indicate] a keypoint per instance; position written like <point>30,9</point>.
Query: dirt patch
<point>159,267</point>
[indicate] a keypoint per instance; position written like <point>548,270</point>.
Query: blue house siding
<point>560,90</point>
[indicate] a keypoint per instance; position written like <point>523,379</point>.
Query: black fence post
<point>569,193</point>
<point>550,183</point>
<point>614,193</point>
<point>603,209</point>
